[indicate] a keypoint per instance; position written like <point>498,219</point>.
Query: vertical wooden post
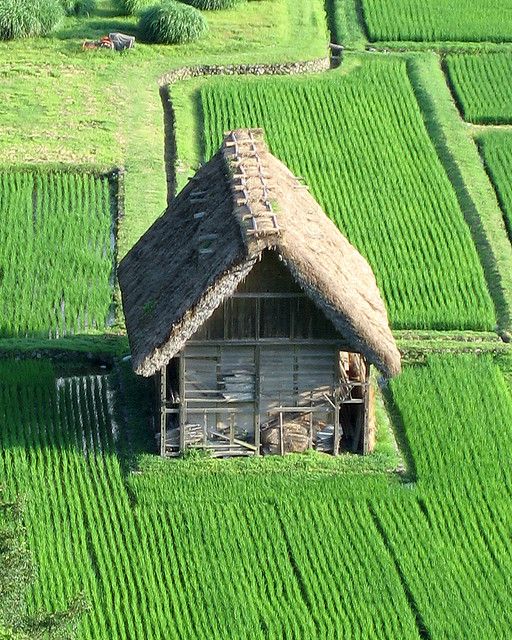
<point>257,425</point>
<point>366,404</point>
<point>337,435</point>
<point>163,415</point>
<point>310,435</point>
<point>232,428</point>
<point>257,323</point>
<point>281,433</point>
<point>183,401</point>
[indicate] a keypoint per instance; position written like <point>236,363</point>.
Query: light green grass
<point>155,545</point>
<point>59,104</point>
<point>346,23</point>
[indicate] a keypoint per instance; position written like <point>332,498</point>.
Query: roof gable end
<point>241,202</point>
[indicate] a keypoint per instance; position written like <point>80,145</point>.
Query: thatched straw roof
<point>195,255</point>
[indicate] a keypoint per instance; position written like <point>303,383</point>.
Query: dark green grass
<point>29,18</point>
<point>380,181</point>
<point>56,253</point>
<point>438,20</point>
<point>482,87</point>
<point>171,23</point>
<point>496,151</point>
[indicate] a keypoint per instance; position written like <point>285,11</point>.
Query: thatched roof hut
<point>242,202</point>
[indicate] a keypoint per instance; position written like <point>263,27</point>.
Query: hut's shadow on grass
<point>198,115</point>
<point>91,410</point>
<point>94,28</point>
<point>400,435</point>
<point>134,412</point>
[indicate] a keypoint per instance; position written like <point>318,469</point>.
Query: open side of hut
<point>256,316</point>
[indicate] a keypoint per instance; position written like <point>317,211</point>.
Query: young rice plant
<point>482,86</point>
<point>155,553</point>
<point>438,20</point>
<point>360,142</point>
<point>56,253</point>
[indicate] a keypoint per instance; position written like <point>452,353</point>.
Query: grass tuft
<point>213,5</point>
<point>79,7</point>
<point>28,18</point>
<point>171,23</point>
<point>132,7</point>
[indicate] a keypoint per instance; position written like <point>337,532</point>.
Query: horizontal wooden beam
<point>319,409</point>
<point>241,443</point>
<point>268,295</point>
<point>313,342</point>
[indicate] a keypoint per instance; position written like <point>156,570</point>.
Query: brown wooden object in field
<point>251,293</point>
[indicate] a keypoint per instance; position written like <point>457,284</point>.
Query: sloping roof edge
<point>193,319</point>
<point>248,196</point>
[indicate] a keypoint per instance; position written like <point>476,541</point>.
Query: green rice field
<point>482,88</point>
<point>439,20</point>
<point>407,146</point>
<point>56,253</point>
<point>496,151</point>
<point>360,142</point>
<point>190,549</point>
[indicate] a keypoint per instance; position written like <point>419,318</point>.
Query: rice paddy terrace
<point>409,152</point>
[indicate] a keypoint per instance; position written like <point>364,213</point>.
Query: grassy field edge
<point>459,154</point>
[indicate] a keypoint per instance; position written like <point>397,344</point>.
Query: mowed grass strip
<point>439,20</point>
<point>361,144</point>
<point>496,149</point>
<point>482,87</point>
<point>56,253</point>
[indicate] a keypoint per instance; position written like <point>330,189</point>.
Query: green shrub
<point>171,23</point>
<point>132,7</point>
<point>212,5</point>
<point>78,7</point>
<point>28,18</point>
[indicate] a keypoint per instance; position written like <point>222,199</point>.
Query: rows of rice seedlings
<point>439,20</point>
<point>481,84</point>
<point>455,585</point>
<point>458,432</point>
<point>496,149</point>
<point>360,142</point>
<point>198,560</point>
<point>56,253</point>
<point>362,597</point>
<point>158,570</point>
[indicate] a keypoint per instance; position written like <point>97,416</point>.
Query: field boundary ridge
<point>165,82</point>
<point>461,159</point>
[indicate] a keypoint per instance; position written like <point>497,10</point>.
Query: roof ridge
<point>245,151</point>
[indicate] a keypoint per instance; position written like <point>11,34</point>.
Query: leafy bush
<point>28,18</point>
<point>212,5</point>
<point>132,7</point>
<point>78,7</point>
<point>171,23</point>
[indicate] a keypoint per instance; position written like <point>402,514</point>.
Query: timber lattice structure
<point>259,317</point>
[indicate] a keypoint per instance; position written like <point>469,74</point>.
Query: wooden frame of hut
<point>256,316</point>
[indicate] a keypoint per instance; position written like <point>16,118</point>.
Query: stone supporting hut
<point>256,316</point>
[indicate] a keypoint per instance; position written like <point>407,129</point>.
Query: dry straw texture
<point>199,251</point>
